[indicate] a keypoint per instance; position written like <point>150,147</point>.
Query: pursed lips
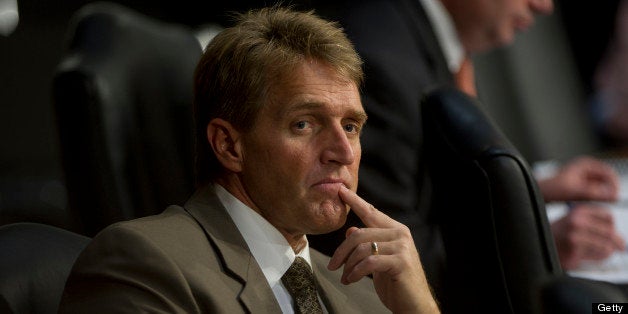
<point>331,183</point>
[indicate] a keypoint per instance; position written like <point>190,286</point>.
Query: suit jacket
<point>402,61</point>
<point>189,260</point>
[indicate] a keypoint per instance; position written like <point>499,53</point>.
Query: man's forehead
<point>308,93</point>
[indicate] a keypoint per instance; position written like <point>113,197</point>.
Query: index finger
<point>368,214</point>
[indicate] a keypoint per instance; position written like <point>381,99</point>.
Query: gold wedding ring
<point>374,248</point>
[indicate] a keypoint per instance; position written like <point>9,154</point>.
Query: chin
<point>327,228</point>
<point>331,216</point>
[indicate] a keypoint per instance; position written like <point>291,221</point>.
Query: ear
<point>225,141</point>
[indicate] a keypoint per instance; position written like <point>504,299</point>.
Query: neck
<point>297,243</point>
<point>234,186</point>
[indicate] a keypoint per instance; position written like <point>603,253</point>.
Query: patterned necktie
<point>299,281</point>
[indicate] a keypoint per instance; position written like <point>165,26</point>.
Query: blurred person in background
<point>410,46</point>
<point>610,100</point>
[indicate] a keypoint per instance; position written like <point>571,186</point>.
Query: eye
<point>300,125</point>
<point>352,128</point>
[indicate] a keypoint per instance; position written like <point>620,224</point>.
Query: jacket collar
<point>206,208</point>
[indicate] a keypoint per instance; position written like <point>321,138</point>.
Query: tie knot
<point>299,275</point>
<point>299,281</point>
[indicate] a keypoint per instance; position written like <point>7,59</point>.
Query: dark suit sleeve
<point>123,272</point>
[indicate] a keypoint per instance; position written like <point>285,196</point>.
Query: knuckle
<point>370,212</point>
<point>369,262</point>
<point>358,233</point>
<point>572,241</point>
<point>403,232</point>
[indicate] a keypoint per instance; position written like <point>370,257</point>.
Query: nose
<point>542,6</point>
<point>338,147</point>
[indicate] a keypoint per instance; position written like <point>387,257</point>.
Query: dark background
<point>31,179</point>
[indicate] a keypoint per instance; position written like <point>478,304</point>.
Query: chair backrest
<point>35,261</point>
<point>496,234</point>
<point>123,101</point>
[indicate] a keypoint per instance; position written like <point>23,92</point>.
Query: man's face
<point>488,24</point>
<point>303,146</point>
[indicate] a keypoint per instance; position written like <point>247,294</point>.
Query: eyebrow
<point>359,115</point>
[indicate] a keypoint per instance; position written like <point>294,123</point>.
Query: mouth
<point>330,184</point>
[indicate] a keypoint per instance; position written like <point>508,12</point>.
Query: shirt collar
<point>268,246</point>
<point>446,33</point>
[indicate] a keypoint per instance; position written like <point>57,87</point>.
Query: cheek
<point>287,160</point>
<point>355,167</point>
<point>293,153</point>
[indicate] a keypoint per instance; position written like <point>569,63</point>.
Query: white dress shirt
<point>270,248</point>
<point>446,33</point>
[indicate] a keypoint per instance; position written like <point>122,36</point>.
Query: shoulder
<point>143,263</point>
<point>170,234</point>
<point>170,221</point>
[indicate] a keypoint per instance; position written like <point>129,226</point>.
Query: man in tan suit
<point>278,117</point>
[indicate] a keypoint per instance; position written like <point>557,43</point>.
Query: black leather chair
<point>501,256</point>
<point>122,97</point>
<point>35,262</point>
<point>499,247</point>
<point>569,295</point>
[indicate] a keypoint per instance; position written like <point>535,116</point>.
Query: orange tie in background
<point>465,79</point>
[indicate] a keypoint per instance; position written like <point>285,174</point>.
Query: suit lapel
<point>206,208</point>
<point>336,301</point>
